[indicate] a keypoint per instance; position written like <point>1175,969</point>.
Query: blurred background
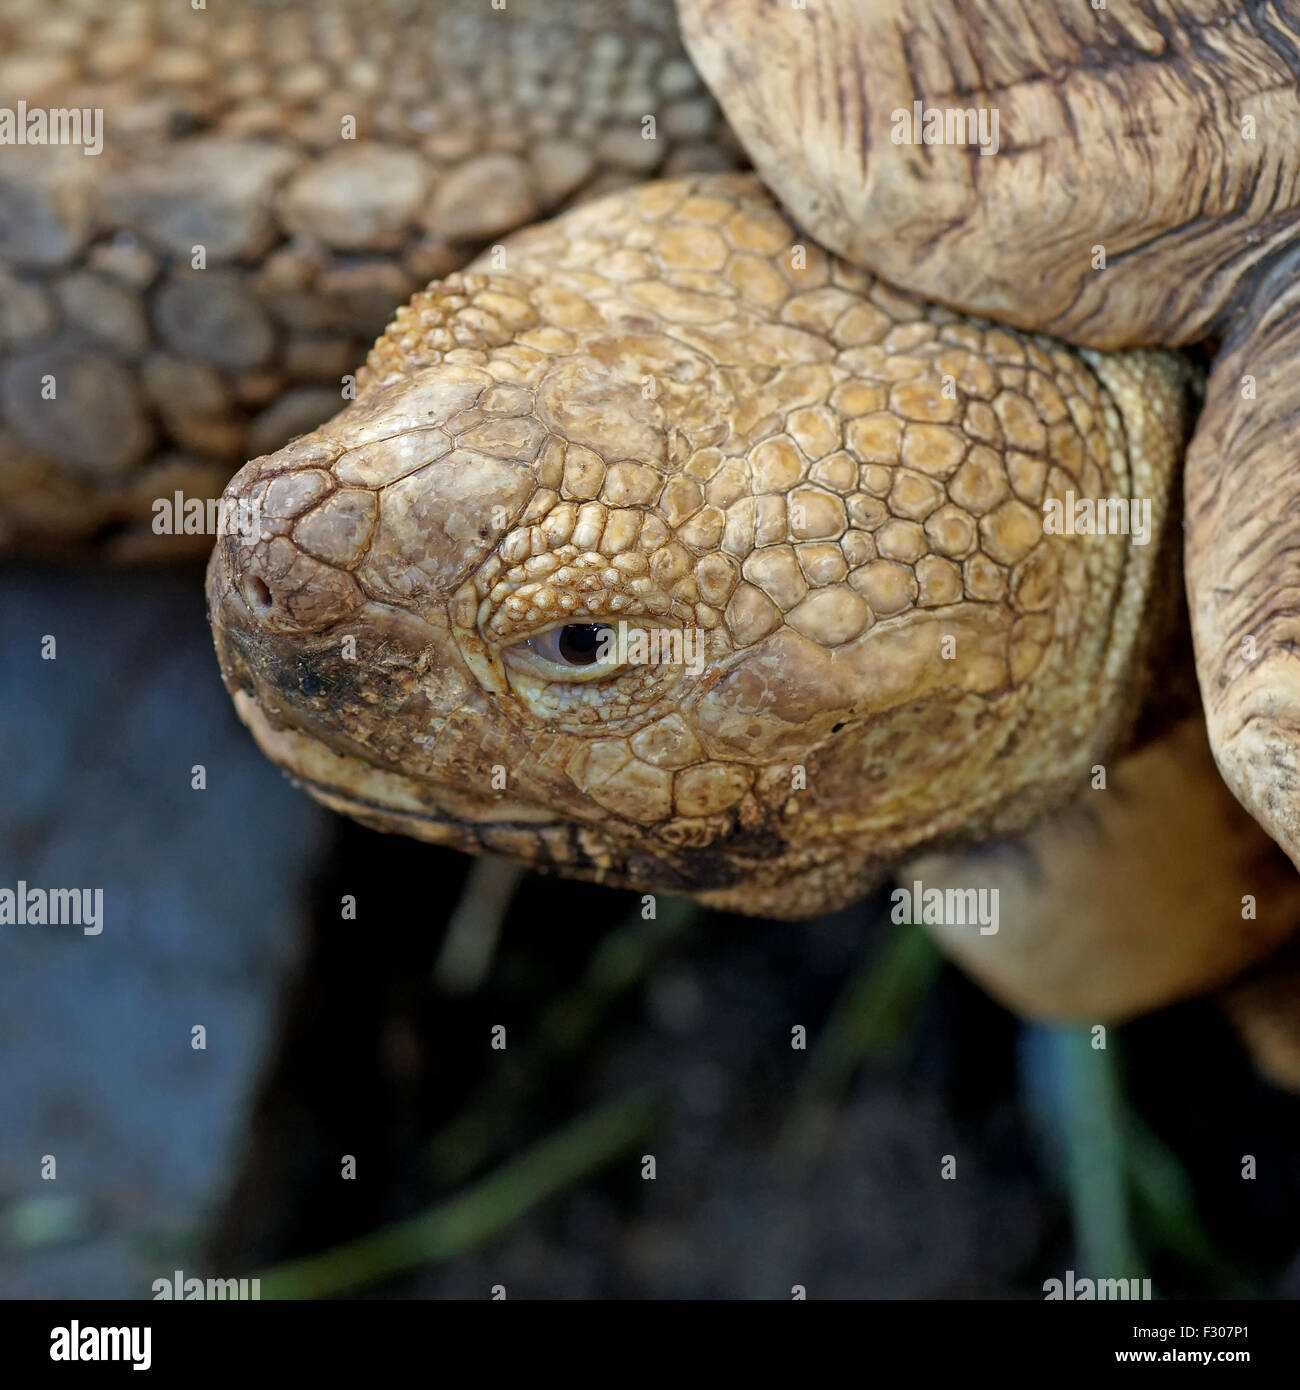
<point>527,1166</point>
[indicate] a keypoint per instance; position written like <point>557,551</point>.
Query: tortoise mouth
<point>361,806</point>
<point>361,788</point>
<point>393,803</point>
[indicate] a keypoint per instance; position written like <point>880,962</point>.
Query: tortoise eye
<point>574,644</point>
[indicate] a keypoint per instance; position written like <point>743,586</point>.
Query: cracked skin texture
<point>667,407</point>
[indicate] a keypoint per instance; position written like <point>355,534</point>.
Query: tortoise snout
<point>289,535</point>
<point>265,583</point>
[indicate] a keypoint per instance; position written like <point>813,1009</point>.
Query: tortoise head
<point>669,559</point>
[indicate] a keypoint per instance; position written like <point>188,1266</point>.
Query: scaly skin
<point>669,408</point>
<point>1145,190</point>
<point>224,128</point>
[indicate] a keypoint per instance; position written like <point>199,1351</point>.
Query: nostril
<point>275,588</point>
<point>258,595</point>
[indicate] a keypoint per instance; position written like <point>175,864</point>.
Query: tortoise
<point>802,434</point>
<point>822,479</point>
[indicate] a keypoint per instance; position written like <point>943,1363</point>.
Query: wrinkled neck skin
<point>669,409</point>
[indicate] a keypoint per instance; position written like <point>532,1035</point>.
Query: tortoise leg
<point>1243,556</point>
<point>1129,898</point>
<point>1264,1009</point>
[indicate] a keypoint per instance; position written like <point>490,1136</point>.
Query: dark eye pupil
<point>579,642</point>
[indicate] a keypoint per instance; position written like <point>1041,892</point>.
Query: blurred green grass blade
<point>873,1017</point>
<point>621,961</point>
<point>1093,1120</point>
<point>474,927</point>
<point>1164,1198</point>
<point>486,1209</point>
<point>32,1223</point>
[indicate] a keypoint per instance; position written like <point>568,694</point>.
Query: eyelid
<point>524,656</point>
